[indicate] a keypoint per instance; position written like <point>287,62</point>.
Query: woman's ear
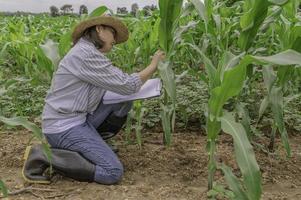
<point>99,29</point>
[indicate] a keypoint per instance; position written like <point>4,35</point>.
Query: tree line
<point>67,9</point>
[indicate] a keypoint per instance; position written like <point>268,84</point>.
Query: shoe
<point>67,163</point>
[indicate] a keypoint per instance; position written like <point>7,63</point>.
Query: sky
<point>37,6</point>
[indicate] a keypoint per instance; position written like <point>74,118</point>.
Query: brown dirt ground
<point>155,172</point>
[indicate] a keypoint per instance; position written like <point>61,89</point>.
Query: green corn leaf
<point>168,78</point>
<point>263,106</point>
<point>200,7</point>
<point>3,189</point>
<point>19,121</point>
<point>65,44</point>
<point>278,2</point>
<point>227,62</point>
<point>296,38</point>
<point>245,156</point>
<point>182,29</point>
<point>255,12</point>
<point>98,11</point>
<point>234,183</point>
<point>231,86</point>
<point>209,67</point>
<point>276,99</point>
<point>271,18</point>
<point>44,62</point>
<point>245,118</point>
<point>269,77</point>
<point>288,57</point>
<point>169,12</point>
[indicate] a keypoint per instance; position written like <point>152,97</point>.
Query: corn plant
<point>289,30</point>
<point>169,14</point>
<point>226,81</point>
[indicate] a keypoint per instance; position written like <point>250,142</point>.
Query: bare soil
<point>156,172</point>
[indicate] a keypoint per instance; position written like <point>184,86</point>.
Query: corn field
<point>234,48</point>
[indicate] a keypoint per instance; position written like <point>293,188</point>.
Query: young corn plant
<point>170,11</point>
<point>226,81</point>
<point>133,54</point>
<point>288,29</point>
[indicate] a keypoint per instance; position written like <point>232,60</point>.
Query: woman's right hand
<point>149,70</point>
<point>158,56</point>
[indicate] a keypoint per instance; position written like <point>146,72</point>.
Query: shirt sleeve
<point>95,68</point>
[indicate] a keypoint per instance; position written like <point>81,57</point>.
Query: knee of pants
<point>112,176</point>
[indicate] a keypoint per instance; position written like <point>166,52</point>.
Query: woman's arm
<point>149,70</point>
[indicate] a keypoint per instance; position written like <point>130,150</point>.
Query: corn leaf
<point>278,2</point>
<point>234,183</point>
<point>288,57</point>
<point>231,86</point>
<point>245,156</point>
<point>98,11</point>
<point>168,78</point>
<point>276,99</point>
<point>263,106</point>
<point>20,121</point>
<point>209,67</point>
<point>3,189</point>
<point>201,9</point>
<point>169,12</point>
<point>255,12</point>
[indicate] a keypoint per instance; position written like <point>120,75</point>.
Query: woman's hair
<point>91,35</point>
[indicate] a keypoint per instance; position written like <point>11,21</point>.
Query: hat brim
<point>122,33</point>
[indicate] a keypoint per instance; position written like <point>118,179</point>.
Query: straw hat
<point>122,33</point>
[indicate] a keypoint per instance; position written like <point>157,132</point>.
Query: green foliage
<point>3,189</point>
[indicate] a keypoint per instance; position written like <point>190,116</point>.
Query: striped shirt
<point>82,78</point>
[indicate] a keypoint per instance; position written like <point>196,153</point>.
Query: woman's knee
<point>108,176</point>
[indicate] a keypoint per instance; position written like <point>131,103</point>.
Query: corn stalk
<point>169,13</point>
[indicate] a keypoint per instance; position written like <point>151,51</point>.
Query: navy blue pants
<point>86,140</point>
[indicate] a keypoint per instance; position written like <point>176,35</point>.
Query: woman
<point>74,118</point>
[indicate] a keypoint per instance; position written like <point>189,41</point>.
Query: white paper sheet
<point>151,88</point>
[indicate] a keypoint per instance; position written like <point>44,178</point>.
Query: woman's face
<point>106,34</point>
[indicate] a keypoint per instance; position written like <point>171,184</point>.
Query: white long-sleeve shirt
<point>82,78</point>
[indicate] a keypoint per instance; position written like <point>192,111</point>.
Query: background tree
<point>54,11</point>
<point>134,9</point>
<point>122,10</point>
<point>83,10</point>
<point>153,7</point>
<point>147,10</point>
<point>66,9</point>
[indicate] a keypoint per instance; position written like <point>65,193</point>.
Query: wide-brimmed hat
<point>122,33</point>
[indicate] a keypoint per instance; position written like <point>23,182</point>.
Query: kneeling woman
<point>74,118</point>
